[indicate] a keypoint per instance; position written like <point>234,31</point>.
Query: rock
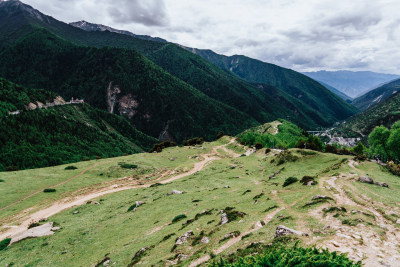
<point>183,238</point>
<point>310,183</point>
<point>227,186</point>
<point>224,218</point>
<point>31,106</point>
<point>205,240</point>
<point>173,159</point>
<point>335,244</point>
<point>284,231</point>
<point>398,221</point>
<point>366,179</point>
<point>55,229</point>
<point>93,202</point>
<point>317,197</point>
<point>175,192</point>
<point>140,252</point>
<point>233,166</point>
<point>382,184</point>
<point>139,203</point>
<point>75,212</point>
<point>39,231</point>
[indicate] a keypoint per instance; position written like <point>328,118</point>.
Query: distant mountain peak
<point>13,7</point>
<point>90,27</point>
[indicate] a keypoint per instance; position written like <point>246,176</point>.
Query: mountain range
<point>352,83</point>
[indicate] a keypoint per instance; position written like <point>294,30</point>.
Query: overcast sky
<point>304,35</point>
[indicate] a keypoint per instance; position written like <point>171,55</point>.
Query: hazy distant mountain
<point>352,83</point>
<point>377,95</point>
<point>90,27</point>
<point>337,92</point>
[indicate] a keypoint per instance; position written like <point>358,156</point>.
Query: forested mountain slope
<point>192,69</point>
<point>377,95</point>
<point>39,137</point>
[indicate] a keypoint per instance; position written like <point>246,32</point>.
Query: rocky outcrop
<point>183,238</point>
<point>39,231</point>
<point>366,180</point>
<point>318,197</point>
<point>128,106</point>
<point>284,231</point>
<point>224,218</point>
<point>112,96</point>
<point>175,192</point>
<point>369,180</point>
<point>205,240</point>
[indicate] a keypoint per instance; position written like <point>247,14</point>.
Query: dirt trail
<point>82,199</point>
<point>361,242</point>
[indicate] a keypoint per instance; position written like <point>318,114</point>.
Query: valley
<point>118,148</point>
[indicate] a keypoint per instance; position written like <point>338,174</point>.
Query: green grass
<point>109,229</point>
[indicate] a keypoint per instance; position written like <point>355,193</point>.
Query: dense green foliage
<point>295,256</point>
<point>61,134</point>
<point>276,134</point>
<point>49,190</point>
<point>385,142</point>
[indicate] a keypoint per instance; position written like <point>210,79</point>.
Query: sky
<point>305,35</point>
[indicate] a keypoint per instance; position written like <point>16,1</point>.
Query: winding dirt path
<point>82,199</point>
<point>361,242</point>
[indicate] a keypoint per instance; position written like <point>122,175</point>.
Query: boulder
<point>382,184</point>
<point>398,221</point>
<point>318,197</point>
<point>140,252</point>
<point>224,218</point>
<point>38,231</point>
<point>284,231</point>
<point>366,179</point>
<point>205,240</point>
<point>183,238</point>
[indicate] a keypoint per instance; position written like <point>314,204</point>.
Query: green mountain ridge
<point>377,95</point>
<point>60,134</point>
<point>305,89</point>
<point>216,83</point>
<point>384,113</point>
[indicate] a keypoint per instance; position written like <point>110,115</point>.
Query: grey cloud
<point>360,21</point>
<point>146,12</point>
<point>243,43</point>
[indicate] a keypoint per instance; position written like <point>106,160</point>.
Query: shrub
<point>178,218</point>
<point>193,141</point>
<point>12,169</point>
<point>289,181</point>
<point>132,207</point>
<point>267,150</point>
<point>70,168</point>
<point>160,146</point>
<point>292,256</point>
<point>128,166</point>
<point>306,179</point>
<point>330,149</point>
<point>4,243</point>
<point>49,190</point>
<point>259,146</point>
<point>220,134</point>
<point>1,181</point>
<point>286,156</point>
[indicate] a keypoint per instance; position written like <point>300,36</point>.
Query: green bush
<point>289,181</point>
<point>295,256</point>
<point>193,141</point>
<point>4,243</point>
<point>12,169</point>
<point>1,181</point>
<point>70,168</point>
<point>49,190</point>
<point>259,146</point>
<point>178,218</point>
<point>160,146</point>
<point>132,207</point>
<point>128,166</point>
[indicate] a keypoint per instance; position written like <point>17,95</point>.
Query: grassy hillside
<point>280,133</point>
<point>377,95</point>
<point>154,101</point>
<point>385,113</point>
<point>255,203</point>
<point>60,134</point>
<point>308,91</point>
